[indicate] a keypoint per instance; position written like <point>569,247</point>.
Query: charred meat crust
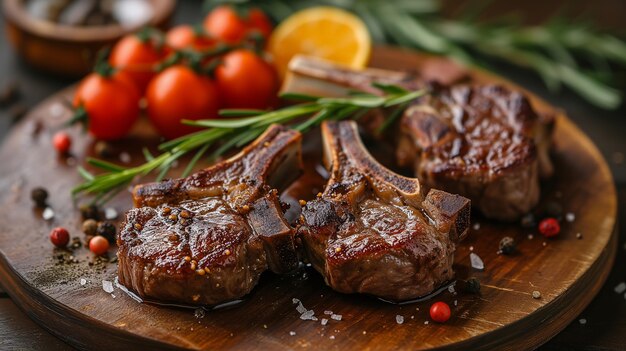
<point>207,238</point>
<point>372,231</point>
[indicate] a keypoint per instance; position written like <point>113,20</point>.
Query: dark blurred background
<point>606,316</point>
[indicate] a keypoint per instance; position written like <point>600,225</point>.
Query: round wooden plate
<point>69,300</point>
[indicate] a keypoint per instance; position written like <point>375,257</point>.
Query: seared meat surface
<point>371,231</point>
<point>207,238</point>
<point>484,142</point>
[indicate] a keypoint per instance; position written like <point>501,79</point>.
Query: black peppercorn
<point>507,245</point>
<point>107,230</point>
<point>472,286</point>
<point>90,212</point>
<point>39,196</point>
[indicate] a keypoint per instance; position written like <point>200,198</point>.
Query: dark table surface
<point>605,328</point>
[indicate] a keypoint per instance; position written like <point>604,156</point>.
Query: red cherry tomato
<point>549,227</point>
<point>246,81</point>
<point>179,93</point>
<point>59,237</point>
<point>98,245</point>
<point>224,23</point>
<point>440,312</point>
<point>188,37</point>
<point>62,142</point>
<point>137,58</point>
<point>111,104</point>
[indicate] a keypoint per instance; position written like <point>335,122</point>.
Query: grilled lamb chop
<point>207,238</point>
<point>484,142</point>
<point>371,231</point>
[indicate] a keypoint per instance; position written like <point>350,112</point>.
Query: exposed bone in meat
<point>484,142</point>
<point>372,231</point>
<point>207,238</point>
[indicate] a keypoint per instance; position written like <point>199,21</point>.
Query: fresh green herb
<point>241,127</point>
<point>566,54</point>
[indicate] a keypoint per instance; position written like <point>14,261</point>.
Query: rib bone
<point>484,142</point>
<point>372,231</point>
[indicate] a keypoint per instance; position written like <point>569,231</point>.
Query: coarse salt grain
<point>536,294</point>
<point>308,315</point>
<point>476,261</point>
<point>336,317</point>
<point>426,322</point>
<point>292,333</point>
<point>107,286</point>
<point>110,213</point>
<point>47,214</point>
<point>399,319</point>
<point>456,303</point>
<point>476,226</point>
<point>530,237</point>
<point>125,157</point>
<point>451,289</point>
<point>582,321</point>
<point>328,312</point>
<point>324,321</point>
<point>295,301</point>
<point>300,308</point>
<point>570,217</point>
<point>620,288</point>
<point>332,337</point>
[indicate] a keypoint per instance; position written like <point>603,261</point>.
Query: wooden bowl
<point>64,50</point>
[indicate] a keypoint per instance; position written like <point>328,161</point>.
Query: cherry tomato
<point>188,37</point>
<point>246,81</point>
<point>137,58</point>
<point>62,142</point>
<point>111,104</point>
<point>549,227</point>
<point>98,245</point>
<point>224,23</point>
<point>179,93</point>
<point>440,312</point>
<point>59,237</point>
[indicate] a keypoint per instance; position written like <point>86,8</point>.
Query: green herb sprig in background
<point>238,128</point>
<point>564,54</point>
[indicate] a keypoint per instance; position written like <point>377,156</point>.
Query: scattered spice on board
<point>39,196</point>
<point>107,230</point>
<point>579,236</point>
<point>103,149</point>
<point>507,245</point>
<point>536,294</point>
<point>399,319</point>
<point>90,227</point>
<point>90,212</point>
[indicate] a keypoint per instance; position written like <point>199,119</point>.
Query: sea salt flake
<point>328,312</point>
<point>295,301</point>
<point>570,217</point>
<point>300,308</point>
<point>292,333</point>
<point>582,321</point>
<point>324,321</point>
<point>451,289</point>
<point>47,214</point>
<point>199,313</point>
<point>107,286</point>
<point>620,288</point>
<point>336,317</point>
<point>399,319</point>
<point>125,157</point>
<point>83,281</point>
<point>307,315</point>
<point>456,303</point>
<point>476,261</point>
<point>110,213</point>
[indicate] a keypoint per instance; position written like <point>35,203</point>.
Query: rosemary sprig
<point>237,128</point>
<point>563,54</point>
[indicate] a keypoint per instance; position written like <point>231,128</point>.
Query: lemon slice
<point>325,32</point>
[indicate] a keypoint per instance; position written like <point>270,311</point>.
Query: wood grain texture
<point>568,272</point>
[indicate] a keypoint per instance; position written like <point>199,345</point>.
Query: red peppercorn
<point>60,237</point>
<point>440,312</point>
<point>549,227</point>
<point>62,142</point>
<point>98,245</point>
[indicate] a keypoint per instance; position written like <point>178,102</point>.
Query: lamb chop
<point>207,238</point>
<point>484,142</point>
<point>372,231</point>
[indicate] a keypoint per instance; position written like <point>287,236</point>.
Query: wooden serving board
<point>567,271</point>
